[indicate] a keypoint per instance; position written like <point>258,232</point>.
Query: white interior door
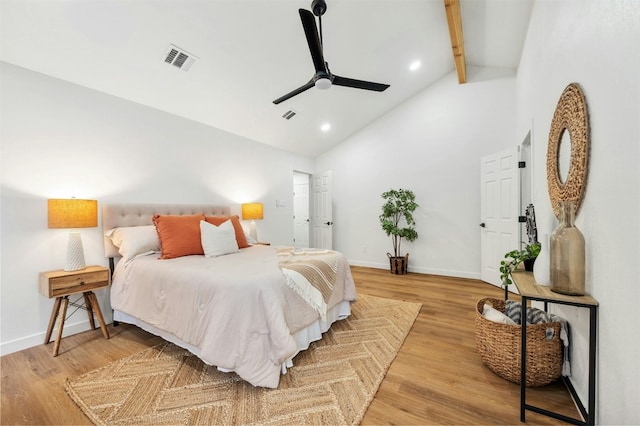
<point>321,211</point>
<point>300,210</point>
<point>500,201</point>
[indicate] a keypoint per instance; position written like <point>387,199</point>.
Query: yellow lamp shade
<point>72,213</point>
<point>252,211</point>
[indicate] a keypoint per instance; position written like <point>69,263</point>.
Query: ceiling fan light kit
<point>323,78</point>
<point>323,83</point>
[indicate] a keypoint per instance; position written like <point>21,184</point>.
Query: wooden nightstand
<point>61,284</point>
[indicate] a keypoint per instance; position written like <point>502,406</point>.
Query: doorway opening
<point>301,209</point>
<point>526,180</point>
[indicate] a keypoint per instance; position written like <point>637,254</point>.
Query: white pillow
<point>135,240</point>
<point>495,315</point>
<point>218,240</point>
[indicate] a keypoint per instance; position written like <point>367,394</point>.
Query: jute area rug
<point>333,382</point>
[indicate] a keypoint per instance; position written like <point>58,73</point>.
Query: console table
<point>530,290</point>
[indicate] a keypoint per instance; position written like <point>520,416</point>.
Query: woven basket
<point>499,347</point>
<point>398,265</point>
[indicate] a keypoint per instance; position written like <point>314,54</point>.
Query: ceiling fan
<point>323,77</point>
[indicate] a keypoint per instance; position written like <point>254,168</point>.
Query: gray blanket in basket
<point>538,316</point>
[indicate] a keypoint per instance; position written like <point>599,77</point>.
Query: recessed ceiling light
<point>325,127</point>
<point>414,65</point>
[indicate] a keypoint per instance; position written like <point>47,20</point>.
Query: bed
<point>243,308</point>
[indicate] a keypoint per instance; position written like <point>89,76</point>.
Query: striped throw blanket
<point>311,274</point>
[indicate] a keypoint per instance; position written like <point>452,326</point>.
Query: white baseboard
<point>443,272</point>
<point>368,264</point>
<point>38,339</point>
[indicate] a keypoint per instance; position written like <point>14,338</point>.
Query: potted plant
<point>513,259</point>
<point>527,255</point>
<point>397,221</point>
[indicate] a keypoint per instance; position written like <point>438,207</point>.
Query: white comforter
<point>237,309</point>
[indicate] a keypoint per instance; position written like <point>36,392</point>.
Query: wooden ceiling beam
<point>454,19</point>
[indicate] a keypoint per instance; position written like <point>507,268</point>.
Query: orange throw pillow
<point>241,239</point>
<point>179,235</point>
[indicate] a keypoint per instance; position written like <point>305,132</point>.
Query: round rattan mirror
<point>570,117</point>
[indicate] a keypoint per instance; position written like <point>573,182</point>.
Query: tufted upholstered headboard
<point>121,215</point>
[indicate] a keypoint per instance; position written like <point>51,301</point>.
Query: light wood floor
<point>437,377</point>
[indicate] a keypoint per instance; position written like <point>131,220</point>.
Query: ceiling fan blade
<point>359,84</point>
<point>311,32</point>
<point>293,93</point>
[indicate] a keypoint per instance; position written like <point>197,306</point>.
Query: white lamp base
<point>75,252</point>
<point>253,232</point>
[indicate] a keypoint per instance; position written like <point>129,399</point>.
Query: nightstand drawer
<point>62,283</point>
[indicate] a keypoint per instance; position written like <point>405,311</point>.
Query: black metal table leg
<point>523,358</point>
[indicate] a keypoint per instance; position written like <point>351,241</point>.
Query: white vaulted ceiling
<point>251,52</point>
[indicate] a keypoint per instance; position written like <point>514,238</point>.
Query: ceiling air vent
<point>179,57</point>
<point>289,114</point>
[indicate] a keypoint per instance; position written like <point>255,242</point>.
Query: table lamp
<point>252,212</point>
<point>73,213</point>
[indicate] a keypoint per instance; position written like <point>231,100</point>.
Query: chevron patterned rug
<point>333,382</point>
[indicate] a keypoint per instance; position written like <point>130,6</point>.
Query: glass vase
<point>567,255</point>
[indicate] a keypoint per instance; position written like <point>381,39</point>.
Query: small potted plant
<point>398,211</point>
<point>527,255</point>
<point>513,259</point>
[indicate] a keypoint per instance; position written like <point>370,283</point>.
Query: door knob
<point>329,223</point>
<point>482,225</point>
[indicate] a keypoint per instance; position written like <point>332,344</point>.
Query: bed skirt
<point>303,337</point>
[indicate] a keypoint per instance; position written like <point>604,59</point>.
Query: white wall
<point>431,144</point>
<point>595,44</point>
<point>61,140</point>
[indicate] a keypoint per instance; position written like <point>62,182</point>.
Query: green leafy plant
<point>398,211</point>
<point>514,258</point>
<point>531,251</point>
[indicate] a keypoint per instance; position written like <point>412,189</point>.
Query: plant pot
<point>398,265</point>
<point>528,264</point>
